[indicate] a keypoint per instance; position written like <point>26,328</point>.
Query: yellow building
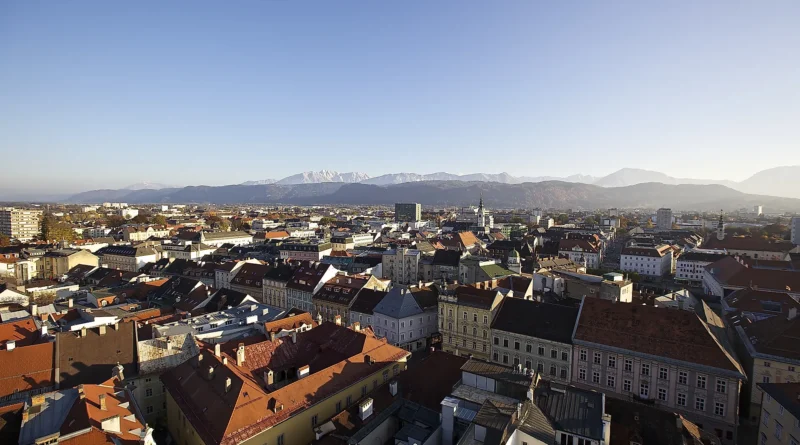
<point>779,423</point>
<point>59,262</point>
<point>257,391</point>
<point>465,319</point>
<point>338,294</point>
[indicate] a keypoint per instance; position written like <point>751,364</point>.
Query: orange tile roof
<point>23,331</point>
<point>244,410</point>
<point>26,368</point>
<point>289,323</point>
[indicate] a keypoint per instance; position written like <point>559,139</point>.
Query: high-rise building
<point>758,210</point>
<point>796,230</point>
<point>664,219</point>
<point>22,224</point>
<point>407,212</point>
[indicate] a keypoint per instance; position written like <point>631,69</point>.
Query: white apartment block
<point>401,265</point>
<point>653,261</point>
<point>796,230</point>
<point>21,224</point>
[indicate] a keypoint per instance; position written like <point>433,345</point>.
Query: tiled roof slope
<point>534,319</point>
<point>653,331</point>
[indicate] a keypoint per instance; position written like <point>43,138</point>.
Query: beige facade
<point>465,322</point>
<point>777,424</point>
<point>59,262</point>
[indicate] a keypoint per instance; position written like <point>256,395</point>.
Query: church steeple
<point>720,228</point>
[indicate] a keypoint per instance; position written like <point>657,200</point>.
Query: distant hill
<point>259,182</point>
<point>779,181</point>
<point>147,186</point>
<point>547,194</point>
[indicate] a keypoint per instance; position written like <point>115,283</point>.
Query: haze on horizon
<point>100,95</point>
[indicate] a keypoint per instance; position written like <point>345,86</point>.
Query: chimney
<point>34,310</point>
<point>393,388</point>
<point>102,398</point>
<point>37,400</point>
<point>102,330</point>
<point>357,327</point>
<point>365,408</point>
<point>10,345</point>
<point>269,377</point>
<point>216,350</point>
<point>118,372</point>
<point>225,361</point>
<point>294,336</point>
<point>210,372</point>
<point>199,359</point>
<point>792,314</point>
<point>240,355</point>
<point>116,326</point>
<point>70,302</point>
<point>227,384</point>
<point>81,394</point>
<point>83,332</point>
<point>338,320</point>
<point>25,416</point>
<point>272,336</point>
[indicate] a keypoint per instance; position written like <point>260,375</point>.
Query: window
<point>701,382</point>
<point>475,317</point>
<point>553,370</point>
<point>645,369</point>
<point>349,400</point>
<point>763,439</point>
<point>339,406</point>
<point>516,345</point>
<point>564,373</point>
<point>626,385</point>
<point>663,373</point>
<point>496,341</point>
<point>581,374</point>
<point>554,354</point>
<point>767,364</point>
<point>596,377</point>
<point>765,418</point>
<point>699,403</point>
<point>583,354</point>
<point>485,333</point>
<point>516,361</point>
<point>662,394</point>
<point>644,390</point>
<point>780,409</point>
<point>719,408</point>
<point>611,381</point>
<point>280,439</point>
<point>485,319</point>
<point>149,410</point>
<point>683,377</point>
<point>314,420</point>
<point>765,379</point>
<point>612,361</point>
<point>778,430</point>
<point>465,315</point>
<point>792,441</point>
<point>540,369</point>
<point>148,392</point>
<point>681,399</point>
<point>564,356</point>
<point>541,351</point>
<point>597,357</point>
<point>722,386</point>
<point>505,342</point>
<point>528,364</point>
<point>628,365</point>
<point>528,348</point>
<point>505,358</point>
<point>495,356</point>
<point>364,390</point>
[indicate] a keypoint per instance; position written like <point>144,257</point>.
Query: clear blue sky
<point>103,94</point>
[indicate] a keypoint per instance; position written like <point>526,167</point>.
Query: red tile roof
<point>289,323</point>
<point>22,331</point>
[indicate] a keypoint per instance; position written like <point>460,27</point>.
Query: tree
<point>326,221</point>
<point>517,220</point>
<point>52,230</point>
<point>4,240</point>
<point>590,220</point>
<point>224,225</point>
<point>140,219</point>
<point>562,219</point>
<point>115,221</point>
<point>160,220</point>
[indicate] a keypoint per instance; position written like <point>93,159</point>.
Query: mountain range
<point>779,181</point>
<point>546,194</point>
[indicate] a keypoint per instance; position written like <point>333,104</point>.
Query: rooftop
<point>534,319</point>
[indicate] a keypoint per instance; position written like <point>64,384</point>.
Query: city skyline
<point>271,89</point>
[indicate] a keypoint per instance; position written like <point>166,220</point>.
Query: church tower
<point>513,262</point>
<point>720,228</point>
<point>481,214</point>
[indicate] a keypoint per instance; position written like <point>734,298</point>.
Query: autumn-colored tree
<point>140,219</point>
<point>4,240</point>
<point>53,230</point>
<point>115,221</point>
<point>161,220</point>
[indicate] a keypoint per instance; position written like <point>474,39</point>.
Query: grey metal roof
<point>571,410</point>
<point>50,415</point>
<point>398,303</point>
<point>535,424</point>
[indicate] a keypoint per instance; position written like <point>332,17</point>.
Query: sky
<point>98,94</point>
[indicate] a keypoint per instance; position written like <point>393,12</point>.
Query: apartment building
<point>406,317</point>
<point>779,423</point>
<point>672,359</point>
<point>465,319</point>
<point>58,262</point>
<point>651,261</point>
<point>307,279</point>
<point>664,219</point>
<point>127,257</point>
<point>401,265</point>
<point>407,212</point>
<point>337,295</point>
<point>21,224</point>
<point>305,250</point>
<point>581,251</point>
<point>143,233</point>
<point>690,266</point>
<point>535,336</point>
